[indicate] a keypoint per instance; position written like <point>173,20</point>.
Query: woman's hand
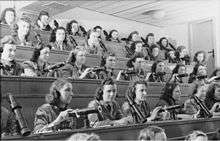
<point>154,113</point>
<point>64,115</point>
<point>86,71</point>
<point>215,106</point>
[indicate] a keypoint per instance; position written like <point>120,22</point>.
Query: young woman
<point>42,22</point>
<point>179,74</point>
<point>155,53</point>
<point>135,68</point>
<point>152,133</point>
<point>59,41</point>
<point>8,16</point>
<point>150,41</point>
<point>200,57</point>
<point>134,36</point>
<point>73,28</point>
<point>170,97</point>
<point>190,105</point>
<point>137,47</point>
<point>114,36</point>
<point>38,63</point>
<point>212,100</point>
<point>157,72</point>
<point>107,67</point>
<point>53,115</point>
<point>20,33</point>
<point>105,100</point>
<point>76,68</point>
<point>182,55</point>
<point>171,57</point>
<point>197,136</point>
<point>164,46</point>
<point>138,95</point>
<point>199,75</point>
<point>8,64</point>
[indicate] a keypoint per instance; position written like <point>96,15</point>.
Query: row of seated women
<point>56,115</point>
<point>75,68</point>
<point>64,39</point>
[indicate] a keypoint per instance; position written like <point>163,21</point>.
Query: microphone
<point>25,131</point>
<point>182,75</point>
<point>55,66</point>
<point>84,111</point>
<point>169,108</point>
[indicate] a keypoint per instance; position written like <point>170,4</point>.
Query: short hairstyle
<point>53,35</point>
<point>132,87</point>
<point>168,92</point>
<point>69,26</point>
<point>54,95</point>
<point>197,53</point>
<point>36,52</point>
<point>176,69</point>
<point>131,34</point>
<point>2,19</point>
<point>42,13</point>
<point>148,35</point>
<point>110,33</point>
<point>97,27</point>
<point>154,66</point>
<point>99,91</point>
<point>133,59</point>
<point>195,134</point>
<point>103,58</point>
<point>84,137</point>
<point>149,133</point>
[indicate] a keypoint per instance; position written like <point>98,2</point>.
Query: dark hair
<point>133,59</point>
<point>196,67</point>
<point>54,96</point>
<point>160,41</point>
<point>215,72</point>
<point>99,91</point>
<point>69,27</point>
<point>132,87</point>
<point>197,53</point>
<point>179,50</point>
<point>97,27</point>
<point>210,96</point>
<point>154,66</point>
<point>42,13</point>
<point>131,34</point>
<point>149,133</point>
<point>36,53</point>
<point>2,19</point>
<point>110,33</point>
<point>72,56</point>
<point>103,58</point>
<point>176,69</point>
<point>133,45</point>
<point>168,93</point>
<point>148,35</point>
<point>53,35</point>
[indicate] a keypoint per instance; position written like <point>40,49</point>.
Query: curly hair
<point>69,27</point>
<point>197,53</point>
<point>179,50</point>
<point>2,19</point>
<point>149,133</point>
<point>99,91</point>
<point>160,42</point>
<point>133,45</point>
<point>131,34</point>
<point>53,35</point>
<point>196,67</point>
<point>36,53</point>
<point>72,56</point>
<point>194,135</point>
<point>110,33</point>
<point>148,35</point>
<point>54,95</point>
<point>132,87</point>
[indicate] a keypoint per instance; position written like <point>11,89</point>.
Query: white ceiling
<point>176,12</point>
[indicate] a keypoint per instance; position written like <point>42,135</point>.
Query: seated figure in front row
<point>138,95</point>
<point>8,64</point>
<point>54,114</point>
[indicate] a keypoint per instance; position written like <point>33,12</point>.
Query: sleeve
<point>93,118</point>
<point>127,113</point>
<point>12,125</point>
<point>67,71</point>
<point>189,108</point>
<point>40,121</point>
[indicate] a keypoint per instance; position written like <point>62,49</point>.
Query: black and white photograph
<point>96,70</point>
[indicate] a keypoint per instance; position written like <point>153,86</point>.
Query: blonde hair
<point>84,137</point>
<point>195,134</point>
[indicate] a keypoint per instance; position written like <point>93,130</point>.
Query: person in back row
<point>42,22</point>
<point>105,100</point>
<point>179,74</point>
<point>8,64</point>
<point>157,72</point>
<point>8,16</point>
<point>54,114</point>
<point>20,33</point>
